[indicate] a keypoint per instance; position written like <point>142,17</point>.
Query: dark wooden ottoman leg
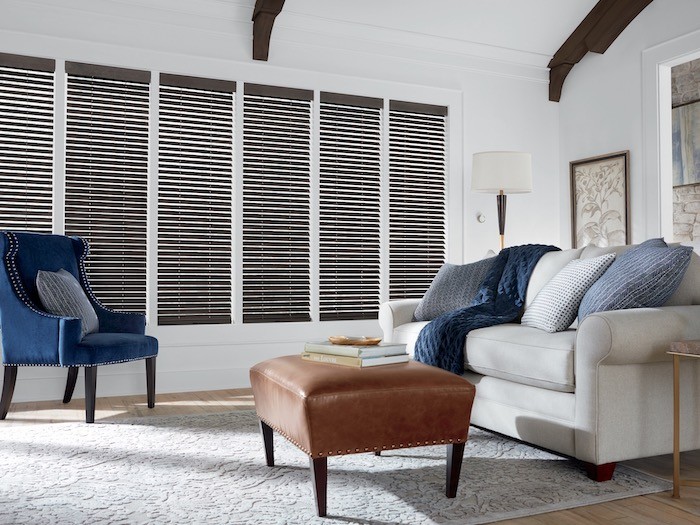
<point>266,431</point>
<point>455,453</point>
<point>319,478</point>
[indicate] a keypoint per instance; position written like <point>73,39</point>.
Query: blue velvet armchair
<point>32,337</point>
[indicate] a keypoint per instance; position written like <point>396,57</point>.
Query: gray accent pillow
<point>61,294</point>
<point>644,277</point>
<point>454,286</point>
<point>555,307</point>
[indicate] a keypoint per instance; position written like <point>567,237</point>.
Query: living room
<point>479,68</point>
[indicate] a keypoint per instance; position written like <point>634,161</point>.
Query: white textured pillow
<point>555,307</point>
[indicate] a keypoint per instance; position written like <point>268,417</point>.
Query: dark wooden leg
<point>455,452</point>
<point>602,472</point>
<point>266,431</point>
<point>90,391</point>
<point>151,381</point>
<point>8,388</point>
<point>377,452</point>
<point>70,383</point>
<point>319,477</point>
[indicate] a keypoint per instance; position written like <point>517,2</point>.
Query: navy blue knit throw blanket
<point>499,300</point>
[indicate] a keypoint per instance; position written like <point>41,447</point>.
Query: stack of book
<point>357,356</point>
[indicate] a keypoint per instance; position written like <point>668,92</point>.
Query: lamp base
<point>501,204</point>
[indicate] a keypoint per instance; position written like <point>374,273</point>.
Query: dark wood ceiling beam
<point>606,21</point>
<point>264,16</point>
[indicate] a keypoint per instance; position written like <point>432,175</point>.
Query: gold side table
<point>680,349</point>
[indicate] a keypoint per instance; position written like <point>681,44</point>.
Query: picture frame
<point>600,200</point>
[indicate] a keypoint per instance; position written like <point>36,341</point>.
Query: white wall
<point>609,104</point>
<point>496,103</point>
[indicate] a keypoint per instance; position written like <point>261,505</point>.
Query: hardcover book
<point>325,347</point>
<point>358,362</point>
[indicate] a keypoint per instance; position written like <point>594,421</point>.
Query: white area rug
<point>211,469</point>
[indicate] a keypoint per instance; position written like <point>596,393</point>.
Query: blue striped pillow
<point>642,277</point>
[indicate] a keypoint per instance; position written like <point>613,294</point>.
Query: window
<point>417,173</point>
<point>276,193</point>
<point>26,143</point>
<point>195,170</point>
<point>107,115</point>
<point>350,205</point>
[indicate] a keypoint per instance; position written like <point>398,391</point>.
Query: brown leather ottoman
<point>329,410</point>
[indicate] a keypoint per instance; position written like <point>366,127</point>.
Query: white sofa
<point>601,393</point>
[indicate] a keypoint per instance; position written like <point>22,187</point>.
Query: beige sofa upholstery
<point>600,392</point>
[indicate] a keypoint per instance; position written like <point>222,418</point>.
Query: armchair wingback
<point>33,337</point>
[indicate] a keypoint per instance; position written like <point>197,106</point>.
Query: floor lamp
<point>502,172</point>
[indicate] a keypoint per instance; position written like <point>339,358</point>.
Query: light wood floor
<point>642,510</point>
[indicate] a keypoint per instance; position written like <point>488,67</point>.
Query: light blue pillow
<point>643,277</point>
<point>454,286</point>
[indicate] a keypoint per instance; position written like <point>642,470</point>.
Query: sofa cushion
<point>454,286</point>
<point>547,267</point>
<point>407,334</point>
<point>524,355</point>
<point>556,306</point>
<point>643,277</point>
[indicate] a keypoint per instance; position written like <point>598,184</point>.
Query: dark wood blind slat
<point>109,210</point>
<point>194,203</point>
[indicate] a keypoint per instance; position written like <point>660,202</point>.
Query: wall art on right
<point>600,200</point>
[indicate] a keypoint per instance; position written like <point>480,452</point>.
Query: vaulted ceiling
<point>546,33</point>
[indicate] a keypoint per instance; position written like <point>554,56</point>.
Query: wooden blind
<point>350,183</point>
<point>417,179</point>
<point>107,178</point>
<point>276,193</point>
<point>26,143</point>
<point>195,169</point>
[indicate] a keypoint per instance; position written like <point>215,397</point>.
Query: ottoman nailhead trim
<point>349,451</point>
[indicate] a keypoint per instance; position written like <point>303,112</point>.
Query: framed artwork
<point>600,200</point>
<point>686,144</point>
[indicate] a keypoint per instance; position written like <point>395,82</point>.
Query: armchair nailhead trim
<point>87,365</point>
<point>18,287</point>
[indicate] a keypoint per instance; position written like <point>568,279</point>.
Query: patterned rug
<point>211,469</point>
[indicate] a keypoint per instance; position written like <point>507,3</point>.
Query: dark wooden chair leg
<point>151,381</point>
<point>602,472</point>
<point>455,452</point>
<point>319,478</point>
<point>8,388</point>
<point>266,431</point>
<point>90,392</point>
<point>70,383</point>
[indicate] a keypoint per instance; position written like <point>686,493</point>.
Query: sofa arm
<point>396,313</point>
<point>634,336</point>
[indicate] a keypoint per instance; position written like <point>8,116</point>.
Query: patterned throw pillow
<point>453,287</point>
<point>643,277</point>
<point>61,294</point>
<point>555,307</point>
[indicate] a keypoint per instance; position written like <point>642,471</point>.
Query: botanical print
<point>599,200</point>
<point>686,144</point>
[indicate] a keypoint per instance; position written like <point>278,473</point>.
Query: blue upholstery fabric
<point>500,299</point>
<point>101,348</point>
<point>33,337</point>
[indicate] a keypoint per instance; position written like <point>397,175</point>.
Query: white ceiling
<point>531,26</point>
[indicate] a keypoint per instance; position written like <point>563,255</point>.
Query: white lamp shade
<point>510,171</point>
